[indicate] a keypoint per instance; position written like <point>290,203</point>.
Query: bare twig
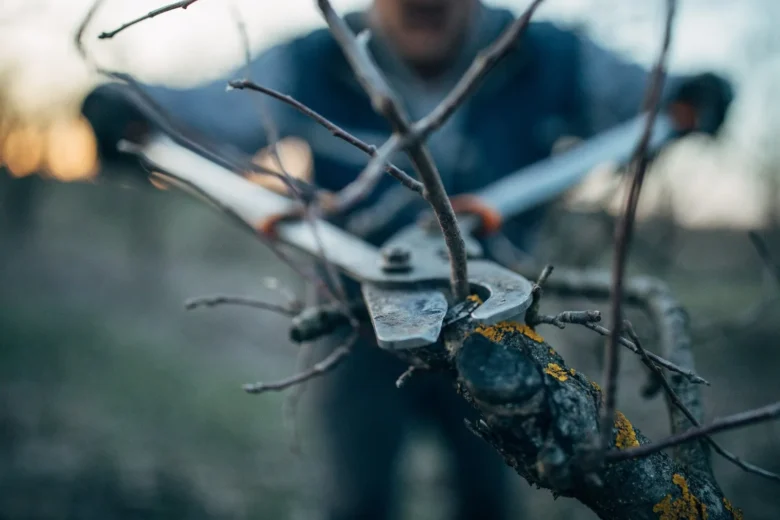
<point>272,133</point>
<point>384,103</point>
<point>731,422</point>
<point>690,375</point>
<point>318,369</point>
<point>482,64</point>
<point>624,232</point>
<point>575,317</point>
<point>404,178</point>
<point>677,402</point>
<point>159,116</point>
<point>544,275</point>
<point>151,14</point>
<point>242,301</point>
<point>479,68</point>
<point>403,378</point>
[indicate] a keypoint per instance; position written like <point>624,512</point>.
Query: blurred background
<point>115,402</point>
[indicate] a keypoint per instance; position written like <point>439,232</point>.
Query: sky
<point>41,74</point>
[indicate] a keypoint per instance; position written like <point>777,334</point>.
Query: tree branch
<point>398,174</point>
<point>675,401</point>
<point>214,301</point>
<point>151,14</point>
<point>625,228</point>
<point>316,370</point>
<point>384,103</point>
<point>542,416</point>
<point>731,422</point>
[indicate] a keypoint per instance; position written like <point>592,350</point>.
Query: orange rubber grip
<point>490,220</point>
<point>268,225</point>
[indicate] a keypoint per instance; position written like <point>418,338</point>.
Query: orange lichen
<point>736,513</point>
<point>557,371</point>
<point>499,331</point>
<point>684,507</point>
<point>626,436</point>
<point>474,298</point>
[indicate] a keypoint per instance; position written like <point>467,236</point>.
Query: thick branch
<point>384,103</point>
<point>542,417</point>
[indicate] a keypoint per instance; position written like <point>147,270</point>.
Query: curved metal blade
<point>405,318</point>
<point>509,293</point>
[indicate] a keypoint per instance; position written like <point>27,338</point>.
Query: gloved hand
<point>700,103</point>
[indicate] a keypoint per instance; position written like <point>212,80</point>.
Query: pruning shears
<point>405,282</point>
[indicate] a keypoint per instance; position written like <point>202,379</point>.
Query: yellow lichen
<point>684,507</point>
<point>557,372</point>
<point>596,386</point>
<point>474,298</point>
<point>736,513</point>
<point>552,351</point>
<point>496,333</point>
<point>626,436</point>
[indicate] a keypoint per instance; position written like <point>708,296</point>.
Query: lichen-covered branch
<point>543,418</point>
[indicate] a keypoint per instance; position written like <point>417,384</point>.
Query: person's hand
<point>701,103</point>
<point>297,160</point>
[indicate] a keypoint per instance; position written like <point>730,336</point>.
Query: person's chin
<point>426,48</point>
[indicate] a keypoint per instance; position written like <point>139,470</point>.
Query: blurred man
<point>555,83</point>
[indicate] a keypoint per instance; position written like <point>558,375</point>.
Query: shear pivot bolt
<point>396,259</point>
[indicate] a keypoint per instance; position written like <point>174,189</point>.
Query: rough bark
<point>543,418</point>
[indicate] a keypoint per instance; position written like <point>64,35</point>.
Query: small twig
<point>162,119</point>
<point>575,317</point>
<point>316,370</point>
<point>213,301</point>
<point>731,422</point>
<point>677,402</point>
<point>544,275</point>
<point>151,14</point>
<point>403,378</point>
<point>694,378</point>
<point>532,316</point>
<point>404,178</point>
<point>417,367</point>
<point>624,232</point>
<point>272,133</point>
<point>479,68</point>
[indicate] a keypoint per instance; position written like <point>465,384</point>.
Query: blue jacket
<point>555,83</point>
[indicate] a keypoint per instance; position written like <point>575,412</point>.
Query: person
<point>556,82</point>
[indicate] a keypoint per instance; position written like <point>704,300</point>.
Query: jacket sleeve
<point>210,109</point>
<point>613,88</point>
